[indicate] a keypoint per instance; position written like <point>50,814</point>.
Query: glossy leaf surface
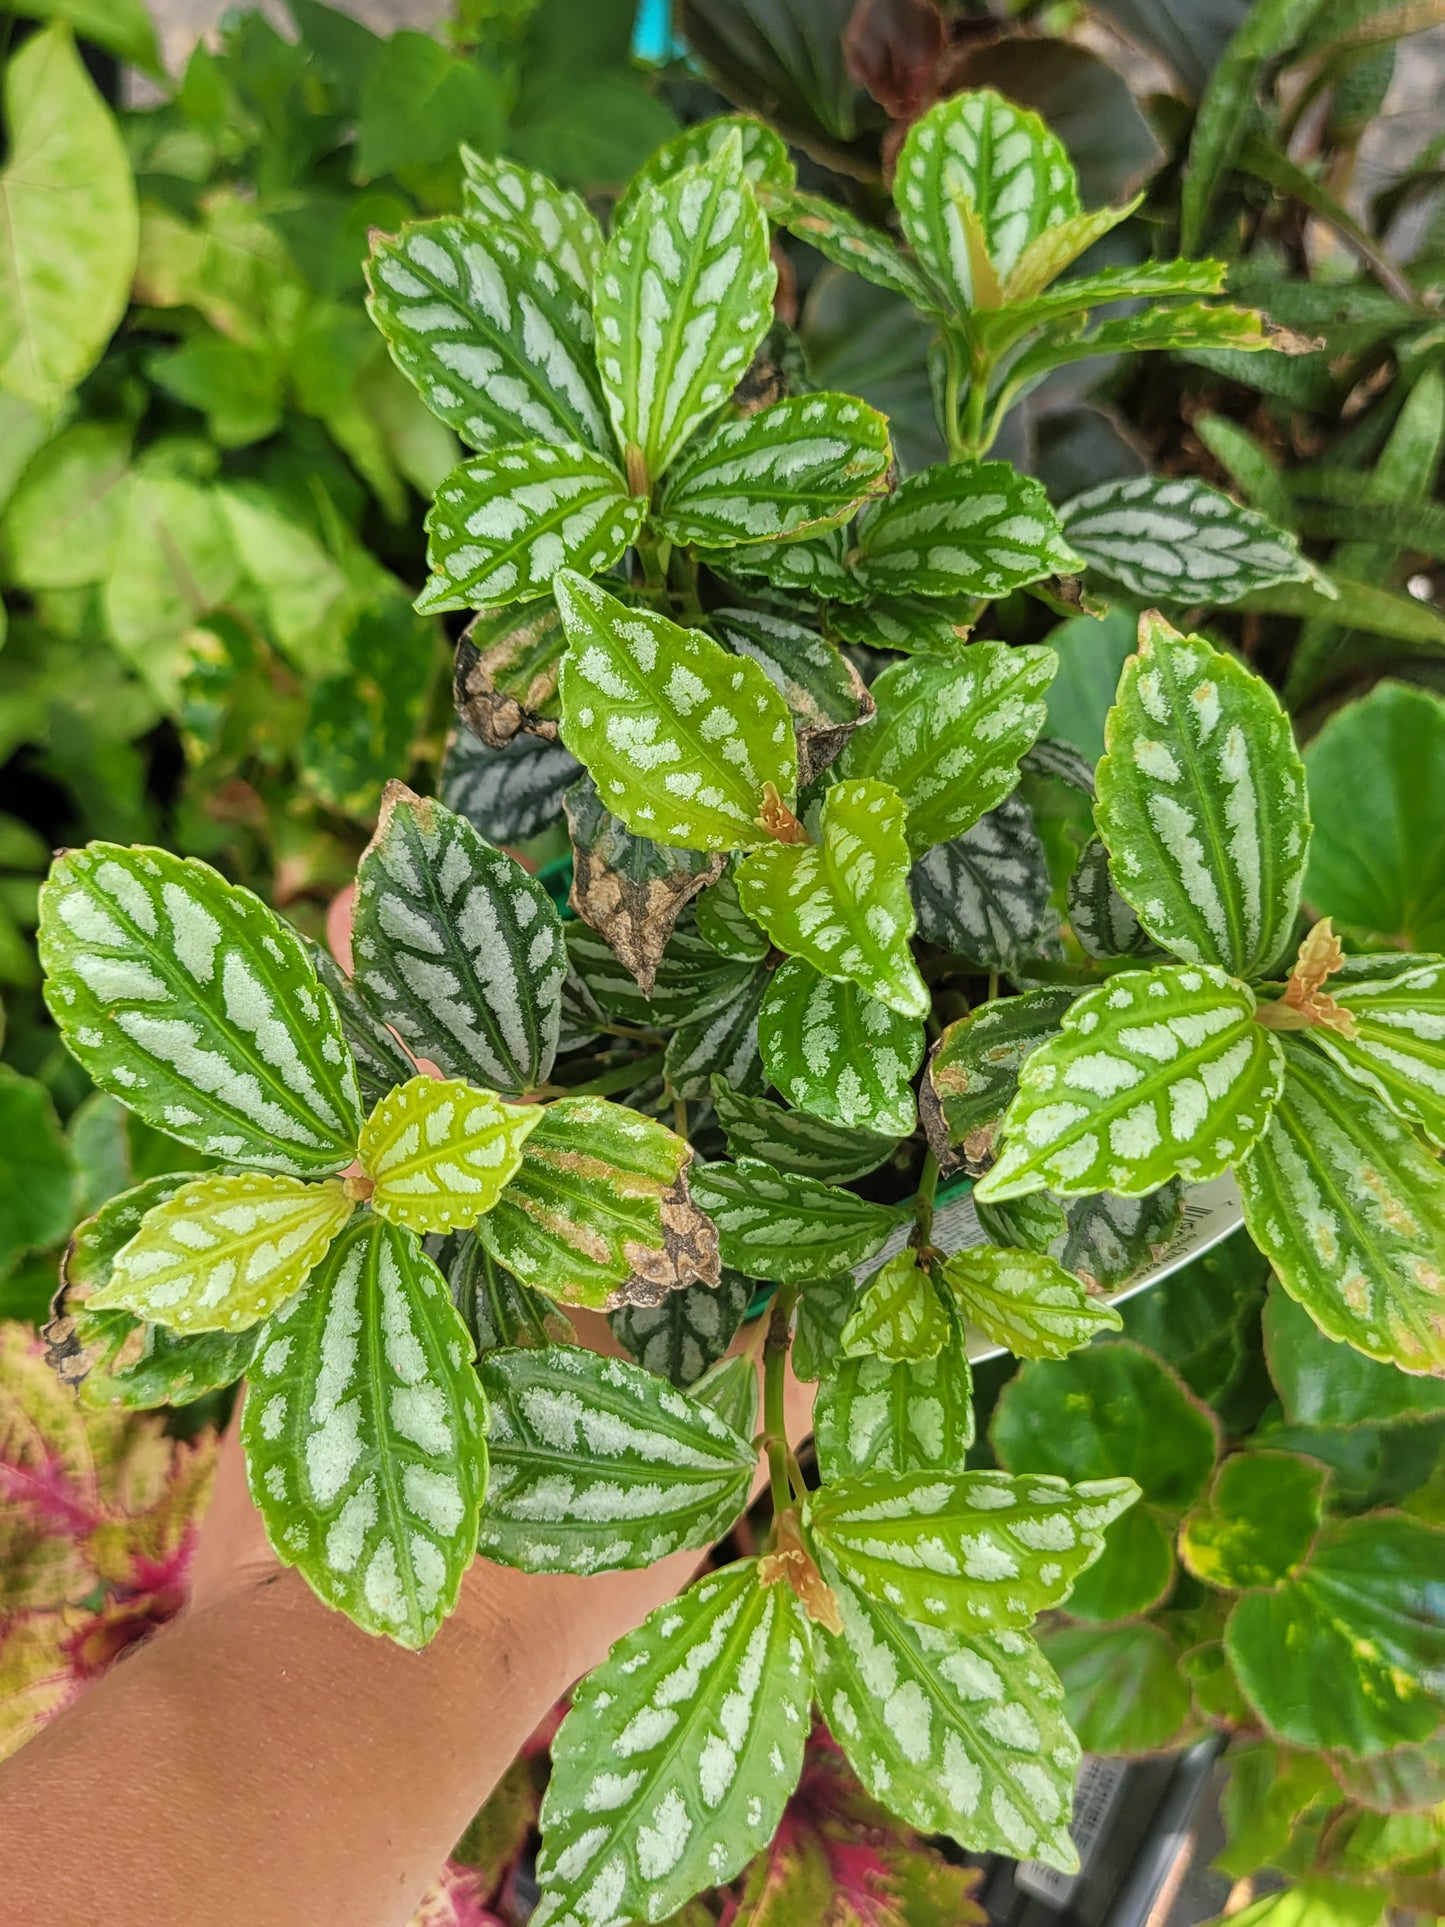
<point>837,1053</point>
<point>1176,539</point>
<point>1026,1302</point>
<point>899,1316</point>
<point>685,1336</point>
<point>965,529</point>
<point>788,1228</point>
<point>789,1140</point>
<point>439,1154</point>
<point>985,895</point>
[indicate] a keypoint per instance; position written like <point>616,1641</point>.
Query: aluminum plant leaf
<point>600,1213</point>
<point>721,1041</point>
<point>823,1310</point>
<point>197,1007</point>
<point>826,696</point>
<point>764,156</point>
<point>840,237</point>
<point>1201,800</point>
<point>559,225</point>
<point>1155,1074</point>
<point>794,1140</point>
<point>807,463</point>
<point>1099,917</point>
<point>959,1731</point>
<point>899,1317</point>
<point>949,734</point>
<point>364,1433</point>
<point>978,179</point>
<point>686,1335</point>
<point>496,342</point>
<point>497,1308</point>
<point>787,1228</point>
<point>506,794</point>
<point>1398,1046</point>
<point>731,1388</point>
<point>692,979</point>
<point>599,1465</point>
<point>816,566</point>
<point>381,1063</point>
<point>1257,1523</point>
<point>502,524</point>
<point>456,947</point>
<point>1026,1302</point>
<point>1109,1239</point>
<point>1060,245</point>
<point>723,923</point>
<point>973,1072</point>
<point>683,299</point>
<point>977,1548</point>
<point>674,1765</point>
<point>224,1251</point>
<point>874,1417</point>
<point>440,1153</point>
<point>685,741</point>
<point>507,664</point>
<point>842,903</point>
<point>839,1054</point>
<point>1349,1208</point>
<point>1175,539</point>
<point>962,529</point>
<point>985,895</point>
<point>1365,1613</point>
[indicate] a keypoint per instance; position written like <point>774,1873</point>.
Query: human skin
<point>261,1762</point>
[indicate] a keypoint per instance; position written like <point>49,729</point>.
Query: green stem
<point>992,985</point>
<point>682,571</point>
<point>953,379</point>
<point>775,1428</point>
<point>923,1203</point>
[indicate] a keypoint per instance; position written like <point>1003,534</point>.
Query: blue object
<point>653,41</point>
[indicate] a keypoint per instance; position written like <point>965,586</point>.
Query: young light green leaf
<point>224,1251</point>
<point>957,1731</point>
<point>973,1072</point>
<point>198,1008</point>
<point>789,1228</point>
<point>797,1141</point>
<point>764,156</point>
<point>962,529</point>
<point>724,1041</point>
<point>503,523</point>
<point>722,922</point>
<point>826,696</point>
<point>900,1316</point>
<point>497,1308</point>
<point>684,740</point>
<point>840,237</point>
<point>839,1054</point>
<point>985,895</point>
<point>1201,800</point>
<point>599,1213</point>
<point>598,1464</point>
<point>673,1767</point>
<point>1155,1074</point>
<point>1026,1302</point>
<point>949,734</point>
<point>980,1548</point>
<point>807,463</point>
<point>559,225</point>
<point>1099,917</point>
<point>496,341</point>
<point>381,1063</point>
<point>456,947</point>
<point>1349,1208</point>
<point>977,180</point>
<point>364,1434</point>
<point>873,1417</point>
<point>1046,256</point>
<point>685,1336</point>
<point>842,903</point>
<point>1176,538</point>
<point>507,665</point>
<point>1398,1045</point>
<point>1258,1522</point>
<point>684,296</point>
<point>439,1154</point>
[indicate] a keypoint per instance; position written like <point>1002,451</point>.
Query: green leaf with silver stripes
<point>559,226</point>
<point>684,296</point>
<point>197,1007</point>
<point>1398,1046</point>
<point>497,1308</point>
<point>597,1464</point>
<point>986,895</point>
<point>599,1212</point>
<point>956,1731</point>
<point>949,734</point>
<point>507,664</point>
<point>724,924</point>
<point>838,1053</point>
<point>364,1433</point>
<point>1349,1208</point>
<point>1175,539</point>
<point>1109,1240</point>
<point>764,156</point>
<point>873,1416</point>
<point>842,903</point>
<point>826,696</point>
<point>973,1072</point>
<point>1026,1302</point>
<point>723,1040</point>
<point>840,237</point>
<point>805,464</point>
<point>685,741</point>
<point>977,180</point>
<point>797,1141</point>
<point>1103,922</point>
<point>899,1317</point>
<point>1156,1074</point>
<point>1202,802</point>
<point>980,1549</point>
<point>681,1749</point>
<point>456,947</point>
<point>503,523</point>
<point>381,1063</point>
<point>494,339</point>
<point>439,1153</point>
<point>961,529</point>
<point>686,1335</point>
<point>788,1228</point>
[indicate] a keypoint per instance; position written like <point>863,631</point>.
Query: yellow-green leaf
<point>440,1154</point>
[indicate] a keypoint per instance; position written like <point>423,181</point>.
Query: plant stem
<point>952,381</point>
<point>992,985</point>
<point>775,1430</point>
<point>923,1203</point>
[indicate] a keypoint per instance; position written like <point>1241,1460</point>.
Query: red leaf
<point>893,48</point>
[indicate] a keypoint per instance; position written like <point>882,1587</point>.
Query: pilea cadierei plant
<point>783,875</point>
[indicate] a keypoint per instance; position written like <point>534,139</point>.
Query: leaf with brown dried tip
<point>505,679</point>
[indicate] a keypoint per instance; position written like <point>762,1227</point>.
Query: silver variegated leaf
<point>973,1071</point>
<point>816,566</point>
<point>722,921</point>
<point>1201,800</point>
<point>826,696</point>
<point>598,1464</point>
<point>910,624</point>
<point>797,1141</point>
<point>840,237</point>
<point>823,1311</point>
<point>381,1062</point>
<point>506,794</point>
<point>839,1054</point>
<point>1349,1208</point>
<point>874,1418</point>
<point>1026,1302</point>
<point>1398,1046</point>
<point>1109,1239</point>
<point>456,947</point>
<point>1175,539</point>
<point>364,1432</point>
<point>722,1041</point>
<point>789,1228</point>
<point>692,979</point>
<point>689,1331</point>
<point>962,529</point>
<point>495,339</point>
<point>439,1152</point>
<point>681,1749</point>
<point>507,664</point>
<point>899,1316</point>
<point>502,524</point>
<point>197,1007</point>
<point>1099,917</point>
<point>984,896</point>
<point>497,1308</point>
<point>763,154</point>
<point>559,225</point>
<point>1156,1074</point>
<point>731,1388</point>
